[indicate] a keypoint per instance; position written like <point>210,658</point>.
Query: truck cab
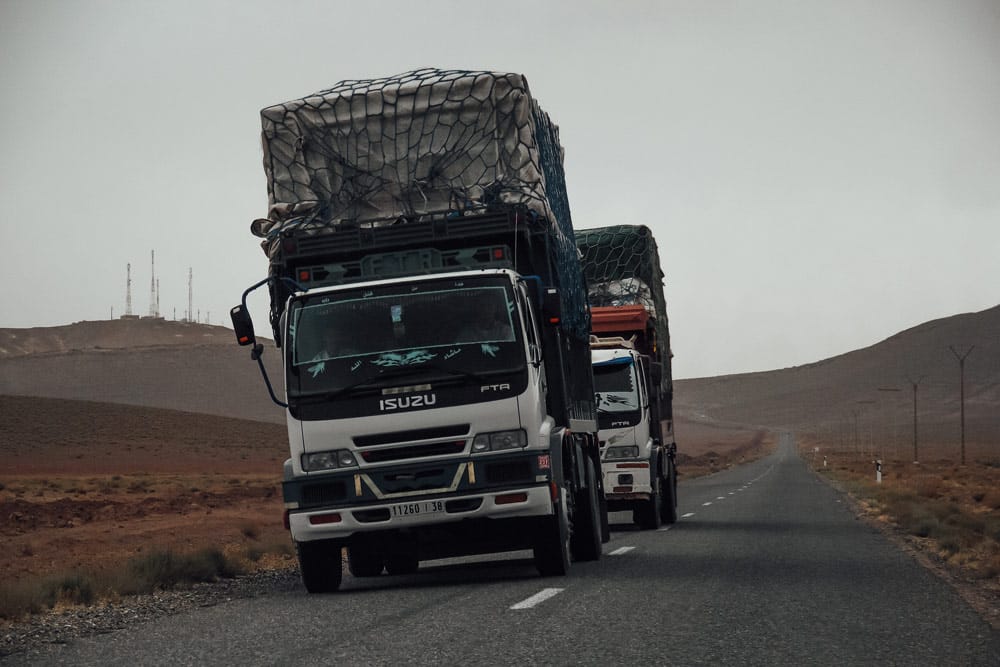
<point>415,399</point>
<point>635,465</point>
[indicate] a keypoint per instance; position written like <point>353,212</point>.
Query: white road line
<point>732,493</point>
<point>538,598</point>
<point>684,516</point>
<point>706,504</point>
<point>621,550</point>
<point>721,498</point>
<point>664,529</point>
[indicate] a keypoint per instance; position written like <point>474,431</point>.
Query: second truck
<point>633,381</point>
<point>429,302</point>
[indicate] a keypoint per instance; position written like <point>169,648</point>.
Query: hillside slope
<point>850,396</point>
<point>152,363</point>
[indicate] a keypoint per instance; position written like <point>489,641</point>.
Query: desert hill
<point>145,362</point>
<point>110,335</point>
<point>847,398</point>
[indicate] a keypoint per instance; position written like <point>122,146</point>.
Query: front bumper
<point>626,480</point>
<point>339,504</point>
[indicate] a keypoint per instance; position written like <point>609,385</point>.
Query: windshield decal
<point>317,368</point>
<point>407,359</point>
<point>452,352</point>
<point>490,350</point>
<point>356,365</point>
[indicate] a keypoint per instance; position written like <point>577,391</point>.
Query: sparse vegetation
<point>946,511</point>
<point>159,570</point>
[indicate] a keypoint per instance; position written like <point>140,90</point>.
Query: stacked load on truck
<point>621,265</point>
<point>413,147</point>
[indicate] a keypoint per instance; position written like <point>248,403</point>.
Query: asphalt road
<point>767,566</point>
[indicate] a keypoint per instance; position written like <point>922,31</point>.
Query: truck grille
<point>393,437</point>
<point>413,452</point>
<point>324,493</point>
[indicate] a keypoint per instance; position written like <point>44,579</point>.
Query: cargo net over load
<point>622,267</point>
<point>416,146</point>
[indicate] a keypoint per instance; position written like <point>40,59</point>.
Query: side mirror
<point>242,325</point>
<point>551,306</point>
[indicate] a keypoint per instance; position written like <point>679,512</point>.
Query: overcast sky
<point>819,175</point>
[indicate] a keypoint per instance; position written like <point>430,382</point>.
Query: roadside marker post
<point>878,471</point>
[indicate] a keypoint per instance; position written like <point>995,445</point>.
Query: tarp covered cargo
<point>621,265</point>
<point>422,142</point>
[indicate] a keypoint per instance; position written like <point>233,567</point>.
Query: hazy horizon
<point>819,176</point>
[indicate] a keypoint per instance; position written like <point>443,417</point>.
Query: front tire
<point>586,540</point>
<point>551,550</point>
<point>320,565</point>
<point>647,512</point>
<point>668,508</point>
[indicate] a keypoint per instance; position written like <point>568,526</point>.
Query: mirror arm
<point>258,349</point>
<point>255,354</point>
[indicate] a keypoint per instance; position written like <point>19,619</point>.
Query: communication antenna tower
<point>128,289</point>
<point>190,298</point>
<point>157,297</point>
<point>152,283</point>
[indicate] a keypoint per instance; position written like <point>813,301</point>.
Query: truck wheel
<point>586,538</point>
<point>605,523</point>
<point>320,566</point>
<point>551,548</point>
<point>396,564</point>
<point>647,512</point>
<point>364,561</point>
<point>668,508</point>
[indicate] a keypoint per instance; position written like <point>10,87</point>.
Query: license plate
<point>410,510</point>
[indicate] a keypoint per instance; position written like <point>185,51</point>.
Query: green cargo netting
<point>415,145</point>
<point>622,267</point>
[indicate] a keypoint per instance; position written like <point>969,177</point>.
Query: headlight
<point>338,458</point>
<point>499,440</point>
<point>614,453</point>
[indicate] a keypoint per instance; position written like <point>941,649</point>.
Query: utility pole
<point>892,411</point>
<point>871,443</point>
<point>961,371</point>
<point>128,289</point>
<point>915,384</point>
<point>152,283</point>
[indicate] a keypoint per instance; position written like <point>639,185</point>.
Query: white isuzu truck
<point>631,355</point>
<point>429,303</point>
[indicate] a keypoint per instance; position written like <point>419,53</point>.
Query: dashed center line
<point>621,550</point>
<point>537,598</point>
<point>664,529</point>
<point>721,498</point>
<point>706,504</point>
<point>689,514</point>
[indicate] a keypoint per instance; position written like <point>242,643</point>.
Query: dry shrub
<point>163,570</point>
<point>992,499</point>
<point>929,486</point>
<point>250,530</point>
<point>990,568</point>
<point>31,596</point>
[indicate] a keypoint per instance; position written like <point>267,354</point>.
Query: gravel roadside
<point>24,640</point>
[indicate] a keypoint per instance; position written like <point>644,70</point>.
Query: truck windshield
<point>403,333</point>
<point>614,383</point>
